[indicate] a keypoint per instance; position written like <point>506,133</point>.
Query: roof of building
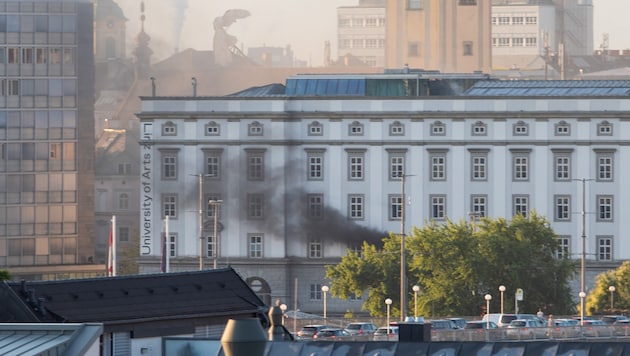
<point>48,339</point>
<point>550,88</point>
<point>140,298</point>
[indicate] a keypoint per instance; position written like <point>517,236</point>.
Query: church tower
<point>142,53</point>
<point>109,31</point>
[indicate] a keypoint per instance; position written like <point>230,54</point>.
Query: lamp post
<point>403,264</point>
<point>388,302</point>
<point>582,296</point>
<point>215,242</point>
<point>200,222</point>
<point>611,289</point>
<point>488,298</point>
<point>501,289</point>
<point>416,289</point>
<point>325,290</point>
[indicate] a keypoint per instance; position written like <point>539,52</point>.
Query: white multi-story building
<point>361,32</point>
<point>302,177</point>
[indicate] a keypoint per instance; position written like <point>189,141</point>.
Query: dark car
<point>309,331</point>
<point>333,335</point>
<point>479,330</point>
<point>443,330</point>
<point>362,331</point>
<point>611,319</point>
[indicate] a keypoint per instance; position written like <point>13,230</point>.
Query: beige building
<point>445,35</point>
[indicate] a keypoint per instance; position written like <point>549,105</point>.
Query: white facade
<point>269,159</point>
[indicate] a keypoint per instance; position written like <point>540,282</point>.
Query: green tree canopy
<point>598,299</point>
<point>4,275</point>
<point>456,264</point>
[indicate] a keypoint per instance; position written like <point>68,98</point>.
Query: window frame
<point>169,129</point>
<point>564,247</point>
<point>255,245</point>
<point>315,169</point>
<point>255,206</point>
<point>438,165</point>
<point>520,128</point>
<point>438,128</point>
<point>356,165</point>
<point>356,128</point>
<point>169,205</point>
<point>395,206</point>
<point>518,202</point>
<point>605,248</point>
<point>562,166</point>
<point>479,205</point>
<point>605,208</point>
<point>315,206</point>
<point>478,169</point>
<point>255,129</point>
<point>212,128</point>
<point>315,128</point>
<point>562,207</point>
<point>437,207</point>
<point>255,164</point>
<point>356,206</point>
<point>396,129</point>
<point>605,170</point>
<point>315,249</point>
<point>520,166</point>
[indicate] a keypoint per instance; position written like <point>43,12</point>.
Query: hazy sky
<point>303,24</point>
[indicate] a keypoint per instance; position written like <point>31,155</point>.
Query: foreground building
<point>47,139</point>
<point>306,175</point>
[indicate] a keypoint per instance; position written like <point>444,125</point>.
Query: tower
<point>109,31</point>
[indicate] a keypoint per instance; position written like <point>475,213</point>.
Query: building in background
<point>451,36</point>
<point>361,32</point>
<point>47,139</point>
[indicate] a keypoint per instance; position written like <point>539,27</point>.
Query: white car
<point>383,334</point>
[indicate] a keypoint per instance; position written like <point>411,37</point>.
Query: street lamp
<point>501,289</point>
<point>583,257</point>
<point>416,289</point>
<point>403,264</point>
<point>325,290</point>
<point>582,296</point>
<point>488,298</point>
<point>388,302</point>
<point>215,242</point>
<point>611,289</point>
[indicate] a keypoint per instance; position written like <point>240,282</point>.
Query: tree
<point>456,264</point>
<point>5,275</point>
<point>598,299</point>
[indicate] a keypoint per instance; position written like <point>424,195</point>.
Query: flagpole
<point>113,247</point>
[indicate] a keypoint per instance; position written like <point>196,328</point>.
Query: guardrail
<point>541,333</point>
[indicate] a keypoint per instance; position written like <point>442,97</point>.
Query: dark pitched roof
<point>138,298</point>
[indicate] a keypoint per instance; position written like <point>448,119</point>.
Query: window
<point>123,201</point>
<point>315,206</point>
<point>605,208</point>
<point>531,20</point>
<point>562,129</point>
<point>520,162</point>
<point>438,129</point>
<point>562,211</point>
<point>255,129</point>
<point>315,249</point>
<point>562,166</point>
<point>604,128</point>
<point>563,247</point>
<point>438,207</point>
<point>605,166</point>
<point>123,234</point>
<point>213,129</point>
<point>479,129</point>
<point>355,129</point>
<point>255,164</point>
<point>413,49</point>
<point>467,48</point>
<point>531,41</point>
<point>414,4</point>
<point>479,166</point>
<point>214,202</point>
<point>478,205</point>
<point>520,129</point>
<point>396,166</point>
<point>124,168</point>
<point>517,20</point>
<point>315,129</point>
<point>504,20</point>
<point>316,292</point>
<point>12,87</point>
<point>213,163</point>
<point>355,207</point>
<point>41,55</point>
<point>315,169</point>
<point>169,206</point>
<point>27,55</point>
<point>172,246</point>
<point>604,248</point>
<point>255,246</point>
<point>169,165</point>
<point>395,207</point>
<point>517,41</point>
<point>520,205</point>
<point>169,129</point>
<point>355,165</point>
<point>438,166</point>
<point>255,204</point>
<point>468,2</point>
<point>13,55</point>
<point>210,246</point>
<point>396,129</point>
<point>503,42</point>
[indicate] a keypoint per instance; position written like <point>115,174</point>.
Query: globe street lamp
<point>388,302</point>
<point>415,289</point>
<point>501,289</point>
<point>325,290</point>
<point>582,296</point>
<point>611,289</point>
<point>488,298</point>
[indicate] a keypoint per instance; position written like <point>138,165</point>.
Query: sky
<point>305,25</point>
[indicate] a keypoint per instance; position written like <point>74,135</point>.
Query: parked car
<point>309,331</point>
<point>563,328</point>
<point>502,320</point>
<point>382,334</point>
<point>479,330</point>
<point>333,335</point>
<point>443,330</point>
<point>611,319</point>
<point>525,329</point>
<point>460,322</point>
<point>361,331</point>
<point>596,328</point>
<point>622,327</point>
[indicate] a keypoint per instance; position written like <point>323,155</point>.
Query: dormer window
<point>563,129</point>
<point>355,129</point>
<point>604,128</point>
<point>521,129</point>
<point>396,129</point>
<point>169,129</point>
<point>479,129</point>
<point>438,129</point>
<point>212,129</point>
<point>315,128</point>
<point>255,129</point>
